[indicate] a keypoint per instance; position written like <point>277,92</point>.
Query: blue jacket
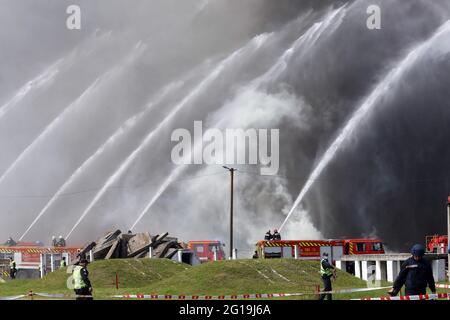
<point>415,275</point>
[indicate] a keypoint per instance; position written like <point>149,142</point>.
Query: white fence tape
<point>197,297</point>
<point>60,295</point>
<point>13,297</point>
<point>432,296</point>
<point>237,296</point>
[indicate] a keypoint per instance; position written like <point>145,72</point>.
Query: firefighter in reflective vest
<point>12,268</point>
<point>63,263</point>
<point>327,271</point>
<point>82,285</point>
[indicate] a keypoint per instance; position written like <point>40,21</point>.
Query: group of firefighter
<point>272,236</point>
<point>416,275</point>
<point>81,284</point>
<point>60,242</point>
<point>56,242</point>
<point>416,272</point>
<point>80,274</point>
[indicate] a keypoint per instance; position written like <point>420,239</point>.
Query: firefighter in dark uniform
<point>416,274</point>
<point>12,268</point>
<point>276,235</point>
<point>10,242</point>
<point>61,242</point>
<point>327,271</point>
<point>82,284</point>
<point>268,236</point>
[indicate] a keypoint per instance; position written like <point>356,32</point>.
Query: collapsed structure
<point>34,260</point>
<point>118,245</point>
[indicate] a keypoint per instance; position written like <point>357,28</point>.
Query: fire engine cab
<point>207,250</point>
<point>437,244</point>
<point>313,249</point>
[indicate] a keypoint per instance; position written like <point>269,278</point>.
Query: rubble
<point>117,245</point>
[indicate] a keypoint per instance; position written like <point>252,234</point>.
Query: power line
<point>422,180</point>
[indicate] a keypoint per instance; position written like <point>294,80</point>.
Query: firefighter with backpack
<point>82,284</point>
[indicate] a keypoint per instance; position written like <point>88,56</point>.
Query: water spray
<point>361,114</point>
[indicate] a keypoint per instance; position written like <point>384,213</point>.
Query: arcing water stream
<point>311,69</point>
<point>363,112</point>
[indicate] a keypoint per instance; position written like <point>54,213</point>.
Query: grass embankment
<point>149,276</point>
<point>132,274</point>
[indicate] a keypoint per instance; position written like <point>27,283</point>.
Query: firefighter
<point>61,242</point>
<point>12,268</point>
<point>416,274</point>
<point>82,284</point>
<point>10,242</point>
<point>327,271</point>
<point>276,235</point>
<point>268,236</point>
<point>62,263</point>
<point>54,242</point>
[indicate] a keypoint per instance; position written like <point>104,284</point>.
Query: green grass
<point>161,276</point>
<point>248,276</point>
<point>132,273</point>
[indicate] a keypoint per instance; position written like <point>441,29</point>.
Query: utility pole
<point>448,237</point>
<point>232,170</point>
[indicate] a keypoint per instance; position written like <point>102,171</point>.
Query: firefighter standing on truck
<point>82,284</point>
<point>327,271</point>
<point>416,274</point>
<point>276,235</point>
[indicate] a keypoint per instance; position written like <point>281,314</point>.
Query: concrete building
<point>386,267</point>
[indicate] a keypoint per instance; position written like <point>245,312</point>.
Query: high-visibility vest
<point>78,280</point>
<point>12,265</point>
<point>62,263</point>
<point>325,272</point>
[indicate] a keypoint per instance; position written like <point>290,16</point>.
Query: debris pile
<point>117,245</point>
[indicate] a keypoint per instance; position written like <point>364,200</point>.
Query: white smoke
<point>327,63</point>
<point>258,200</point>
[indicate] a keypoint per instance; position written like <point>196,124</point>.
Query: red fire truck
<point>31,258</point>
<point>313,249</point>
<point>437,244</point>
<point>205,249</point>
